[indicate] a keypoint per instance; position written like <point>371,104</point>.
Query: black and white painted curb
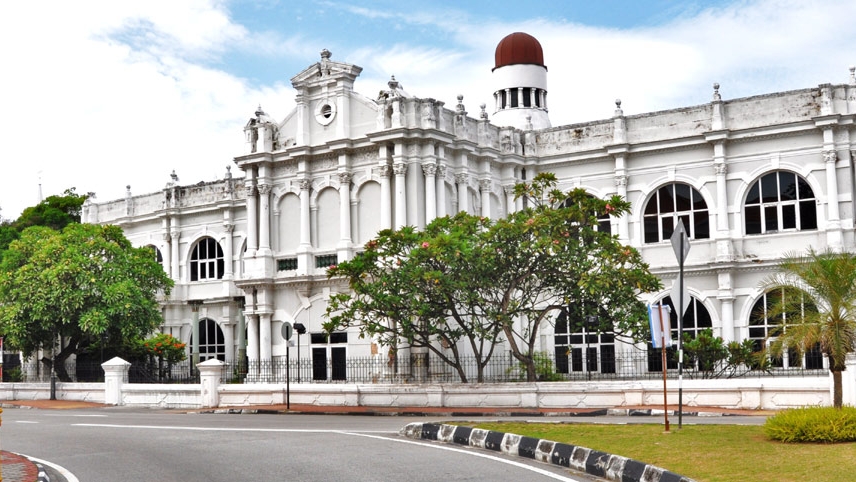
<point>43,476</point>
<point>582,459</point>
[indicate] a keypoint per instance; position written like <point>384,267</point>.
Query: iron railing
<point>424,368</point>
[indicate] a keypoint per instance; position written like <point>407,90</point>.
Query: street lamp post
<point>194,337</point>
<point>300,329</point>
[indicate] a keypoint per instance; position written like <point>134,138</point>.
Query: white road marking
<point>25,421</point>
<point>356,434</point>
<point>69,477</point>
<point>222,429</point>
<point>474,453</point>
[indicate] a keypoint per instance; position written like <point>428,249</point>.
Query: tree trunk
<point>837,392</point>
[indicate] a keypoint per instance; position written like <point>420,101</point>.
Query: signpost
<point>681,245</point>
<point>659,329</point>
<point>287,331</point>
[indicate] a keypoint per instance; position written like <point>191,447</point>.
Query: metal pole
<point>287,376</point>
<point>681,338</point>
<point>53,368</point>
<point>663,354</point>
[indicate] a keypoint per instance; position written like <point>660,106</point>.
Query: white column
<point>441,191</point>
<point>264,337</point>
<point>430,171</point>
<point>400,195</point>
<point>623,221</point>
<point>463,191</point>
<point>509,199</point>
<point>305,238</point>
<point>210,373</point>
<point>831,158</point>
<point>344,211</point>
<point>264,218</point>
<point>167,254</point>
<point>115,371</point>
<point>485,185</point>
<point>252,336</point>
<point>252,220</point>
<point>175,239</point>
<point>385,197</point>
<point>229,250</point>
<point>727,307</point>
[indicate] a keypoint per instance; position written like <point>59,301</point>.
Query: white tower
<point>520,81</point>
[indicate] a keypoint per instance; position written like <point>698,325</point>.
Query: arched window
<point>206,260</point>
<point>780,201</point>
<point>577,344</point>
<point>696,319</point>
<point>670,203</point>
<point>212,343</point>
<point>764,325</point>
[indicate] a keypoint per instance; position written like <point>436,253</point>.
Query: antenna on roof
<point>41,198</point>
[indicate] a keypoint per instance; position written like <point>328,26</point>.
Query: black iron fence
<point>430,368</point>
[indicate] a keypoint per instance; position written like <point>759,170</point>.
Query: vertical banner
<point>658,318</point>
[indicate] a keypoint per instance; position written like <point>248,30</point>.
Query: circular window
<point>325,112</point>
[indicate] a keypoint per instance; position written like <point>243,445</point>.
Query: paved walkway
<point>17,469</point>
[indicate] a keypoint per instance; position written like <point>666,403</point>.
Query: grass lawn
<point>706,453</point>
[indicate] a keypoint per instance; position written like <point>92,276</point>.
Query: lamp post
<point>194,337</point>
<point>300,329</point>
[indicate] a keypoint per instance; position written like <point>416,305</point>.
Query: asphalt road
<point>153,445</point>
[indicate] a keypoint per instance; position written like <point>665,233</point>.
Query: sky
<point>100,95</point>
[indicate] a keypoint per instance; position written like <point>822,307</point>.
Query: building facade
<point>750,178</point>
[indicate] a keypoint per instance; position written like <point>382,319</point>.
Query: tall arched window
<point>764,325</point>
<point>780,201</point>
<point>696,319</point>
<point>212,343</point>
<point>206,260</point>
<point>670,203</point>
<point>579,345</point>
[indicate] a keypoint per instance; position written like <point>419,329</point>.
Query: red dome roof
<point>519,48</point>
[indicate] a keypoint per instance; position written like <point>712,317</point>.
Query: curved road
<point>146,445</point>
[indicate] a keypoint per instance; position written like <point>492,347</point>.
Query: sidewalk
<point>296,408</point>
<point>17,468</point>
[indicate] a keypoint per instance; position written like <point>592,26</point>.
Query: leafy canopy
<point>77,283</point>
<point>470,279</point>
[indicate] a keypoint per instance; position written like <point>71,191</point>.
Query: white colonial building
<point>751,178</point>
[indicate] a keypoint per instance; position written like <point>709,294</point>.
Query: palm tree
<point>818,308</point>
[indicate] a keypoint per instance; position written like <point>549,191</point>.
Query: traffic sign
<point>287,330</point>
<point>680,242</point>
<point>679,296</point>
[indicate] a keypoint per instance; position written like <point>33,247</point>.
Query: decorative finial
<point>393,84</point>
<point>128,188</point>
<point>483,108</point>
<point>618,111</point>
<point>259,111</point>
<point>325,54</point>
<point>460,109</point>
<point>716,95</point>
<point>853,75</point>
<point>228,172</point>
<point>174,176</point>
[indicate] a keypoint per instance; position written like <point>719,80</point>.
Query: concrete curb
<point>43,476</point>
<point>582,459</point>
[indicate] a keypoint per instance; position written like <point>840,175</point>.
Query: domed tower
<point>520,81</point>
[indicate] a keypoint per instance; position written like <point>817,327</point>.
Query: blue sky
<point>101,94</point>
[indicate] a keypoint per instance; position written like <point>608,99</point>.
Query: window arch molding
<point>761,327</point>
<point>702,226</point>
<point>785,217</point>
<point>213,260</point>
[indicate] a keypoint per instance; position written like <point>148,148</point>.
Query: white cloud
<point>101,94</point>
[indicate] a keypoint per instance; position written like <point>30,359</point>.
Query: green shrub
<point>813,425</point>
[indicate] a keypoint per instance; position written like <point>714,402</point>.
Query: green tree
<point>818,308</point>
<point>55,212</point>
<point>471,278</point>
<point>77,284</point>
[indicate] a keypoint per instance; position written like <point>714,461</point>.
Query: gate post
<point>115,371</point>
<point>210,373</point>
